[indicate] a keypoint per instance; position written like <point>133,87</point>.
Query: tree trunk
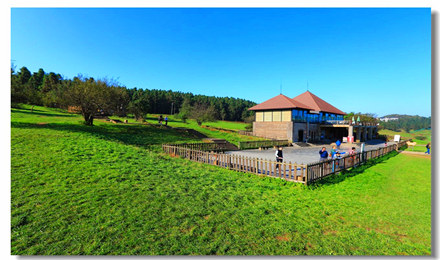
<point>88,118</point>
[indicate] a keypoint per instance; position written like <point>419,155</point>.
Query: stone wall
<point>274,130</point>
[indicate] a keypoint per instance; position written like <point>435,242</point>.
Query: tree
<point>90,96</point>
<point>24,75</point>
<point>185,110</point>
<point>120,100</point>
<point>37,78</point>
<point>50,81</point>
<point>139,105</point>
<point>202,113</point>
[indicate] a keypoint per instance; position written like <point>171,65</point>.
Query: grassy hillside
<point>226,130</point>
<point>104,190</point>
<point>421,137</point>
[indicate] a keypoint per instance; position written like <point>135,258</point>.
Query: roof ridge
<point>313,97</point>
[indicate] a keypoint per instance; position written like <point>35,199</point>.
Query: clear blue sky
<point>361,60</point>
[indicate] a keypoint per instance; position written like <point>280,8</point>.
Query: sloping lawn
<point>78,190</point>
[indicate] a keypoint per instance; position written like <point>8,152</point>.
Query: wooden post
<point>257,166</point>
<point>295,170</point>
<point>264,166</point>
<point>284,170</point>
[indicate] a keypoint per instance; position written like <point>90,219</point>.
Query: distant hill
<point>406,122</point>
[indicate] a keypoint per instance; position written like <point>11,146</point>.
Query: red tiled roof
<point>317,103</point>
<point>279,102</point>
<point>306,100</point>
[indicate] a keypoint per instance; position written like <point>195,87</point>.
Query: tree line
<point>406,122</point>
<point>92,97</point>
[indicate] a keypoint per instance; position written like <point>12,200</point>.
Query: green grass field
<point>414,136</point>
<point>78,190</point>
<point>231,136</point>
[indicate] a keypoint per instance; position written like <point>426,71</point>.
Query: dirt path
<point>417,154</point>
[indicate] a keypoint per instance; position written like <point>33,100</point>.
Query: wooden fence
<point>319,170</point>
<point>286,170</point>
<point>244,132</point>
<point>262,144</point>
<point>217,147</point>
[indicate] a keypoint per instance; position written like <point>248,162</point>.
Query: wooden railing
<point>285,170</point>
<point>217,147</point>
<point>244,132</point>
<point>262,144</point>
<point>319,170</point>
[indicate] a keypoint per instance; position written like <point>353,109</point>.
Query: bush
<point>420,137</point>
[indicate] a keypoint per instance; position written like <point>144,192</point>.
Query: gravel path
<point>304,155</point>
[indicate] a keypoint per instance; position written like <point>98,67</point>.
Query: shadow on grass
<point>345,174</point>
<point>170,120</point>
<point>42,113</point>
<point>138,135</point>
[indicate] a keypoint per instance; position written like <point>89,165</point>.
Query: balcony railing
<point>331,121</point>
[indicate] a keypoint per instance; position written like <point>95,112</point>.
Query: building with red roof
<point>305,117</point>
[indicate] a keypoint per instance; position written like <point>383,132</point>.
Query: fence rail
<point>319,170</point>
<point>262,144</point>
<point>243,132</point>
<point>218,147</point>
<point>285,170</point>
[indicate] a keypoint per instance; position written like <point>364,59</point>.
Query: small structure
<point>306,117</point>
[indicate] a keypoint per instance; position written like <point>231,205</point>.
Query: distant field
<point>414,135</point>
<point>81,190</point>
<point>231,136</point>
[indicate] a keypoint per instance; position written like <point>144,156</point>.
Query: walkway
<point>303,155</point>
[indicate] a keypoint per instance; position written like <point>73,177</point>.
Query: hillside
<point>405,122</point>
<point>107,189</point>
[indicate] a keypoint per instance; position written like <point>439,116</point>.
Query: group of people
<point>161,119</point>
<point>334,153</point>
<point>324,155</point>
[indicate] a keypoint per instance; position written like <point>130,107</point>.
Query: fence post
<point>306,175</point>
<point>295,172</point>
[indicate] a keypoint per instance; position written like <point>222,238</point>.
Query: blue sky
<point>363,60</point>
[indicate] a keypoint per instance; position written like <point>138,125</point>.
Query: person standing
<point>323,154</point>
<point>338,158</point>
<point>352,153</point>
<point>279,156</point>
<point>166,120</point>
<point>333,152</point>
<point>428,147</point>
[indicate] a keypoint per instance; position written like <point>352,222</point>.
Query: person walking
<point>166,120</point>
<point>323,154</point>
<point>279,156</point>
<point>428,147</point>
<point>160,119</point>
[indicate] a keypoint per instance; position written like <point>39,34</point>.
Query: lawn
<point>421,137</point>
<point>227,130</point>
<point>81,190</point>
